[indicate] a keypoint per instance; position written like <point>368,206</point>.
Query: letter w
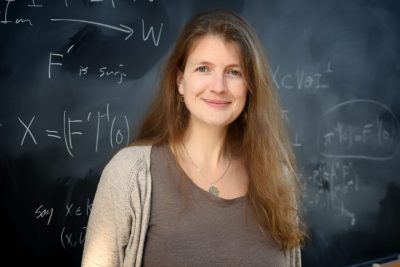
<point>151,31</point>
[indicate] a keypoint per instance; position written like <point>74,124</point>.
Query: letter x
<point>27,130</point>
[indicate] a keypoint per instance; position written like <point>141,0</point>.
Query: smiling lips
<point>217,103</point>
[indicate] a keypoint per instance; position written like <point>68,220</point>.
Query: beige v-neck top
<point>119,220</point>
<point>190,227</point>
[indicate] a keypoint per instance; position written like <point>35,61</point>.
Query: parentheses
<point>88,116</point>
<point>111,132</point>
<point>62,235</point>
<point>97,130</point>
<point>127,129</point>
<point>65,134</point>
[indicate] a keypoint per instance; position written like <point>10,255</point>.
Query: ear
<point>179,82</point>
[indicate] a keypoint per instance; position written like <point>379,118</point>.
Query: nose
<point>219,83</point>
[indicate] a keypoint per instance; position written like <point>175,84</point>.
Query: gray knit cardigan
<point>120,213</point>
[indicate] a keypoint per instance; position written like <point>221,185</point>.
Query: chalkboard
<point>77,76</point>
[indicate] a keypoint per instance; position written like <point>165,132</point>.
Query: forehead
<point>214,49</point>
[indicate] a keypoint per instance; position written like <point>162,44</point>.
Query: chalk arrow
<point>122,27</point>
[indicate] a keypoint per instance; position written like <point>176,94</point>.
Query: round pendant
<point>213,191</point>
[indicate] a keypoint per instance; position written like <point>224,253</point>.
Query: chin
<point>219,123</point>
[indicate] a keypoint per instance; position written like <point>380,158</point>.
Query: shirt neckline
<point>216,199</point>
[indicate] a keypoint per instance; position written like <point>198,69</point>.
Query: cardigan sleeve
<point>295,257</point>
<point>116,224</point>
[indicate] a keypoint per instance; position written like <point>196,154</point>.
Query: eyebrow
<point>212,64</point>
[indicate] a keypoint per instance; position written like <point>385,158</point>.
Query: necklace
<point>213,190</point>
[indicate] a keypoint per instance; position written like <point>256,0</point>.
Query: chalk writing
<point>51,62</point>
<point>69,238</point>
<point>105,72</point>
<point>70,210</point>
<point>33,4</point>
<point>6,20</point>
<point>151,31</point>
<point>329,185</point>
<point>369,130</point>
<point>112,2</point>
<point>69,48</point>
<point>296,142</point>
<point>116,127</point>
<point>300,79</point>
<point>102,72</point>
<point>42,213</point>
<point>121,28</point>
<point>27,130</point>
<point>74,210</point>
<point>147,30</point>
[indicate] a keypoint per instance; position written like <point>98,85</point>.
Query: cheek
<point>240,92</point>
<point>243,103</point>
<point>194,87</point>
<point>241,97</point>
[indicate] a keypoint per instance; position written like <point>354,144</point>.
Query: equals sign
<point>52,134</point>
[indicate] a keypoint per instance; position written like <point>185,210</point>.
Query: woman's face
<point>212,83</point>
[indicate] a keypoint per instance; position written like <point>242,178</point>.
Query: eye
<point>202,69</point>
<point>234,73</point>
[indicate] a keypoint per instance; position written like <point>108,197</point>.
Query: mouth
<point>216,102</point>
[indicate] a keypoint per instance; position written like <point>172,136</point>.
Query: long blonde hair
<point>258,134</point>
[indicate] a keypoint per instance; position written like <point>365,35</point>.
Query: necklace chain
<point>212,189</point>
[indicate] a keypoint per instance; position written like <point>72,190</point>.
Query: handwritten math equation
<point>69,237</point>
<point>116,127</point>
<point>359,128</point>
<point>328,186</point>
<point>127,31</point>
<point>55,59</point>
<point>301,79</point>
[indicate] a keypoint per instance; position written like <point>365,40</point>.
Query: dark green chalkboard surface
<point>77,76</point>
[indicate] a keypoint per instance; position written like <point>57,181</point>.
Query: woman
<point>210,180</point>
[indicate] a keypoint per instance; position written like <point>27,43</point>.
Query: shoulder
<point>128,162</point>
<point>130,157</point>
<point>133,152</point>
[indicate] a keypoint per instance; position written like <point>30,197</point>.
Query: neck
<point>205,145</point>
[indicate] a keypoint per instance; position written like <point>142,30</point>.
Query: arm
<point>117,225</point>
